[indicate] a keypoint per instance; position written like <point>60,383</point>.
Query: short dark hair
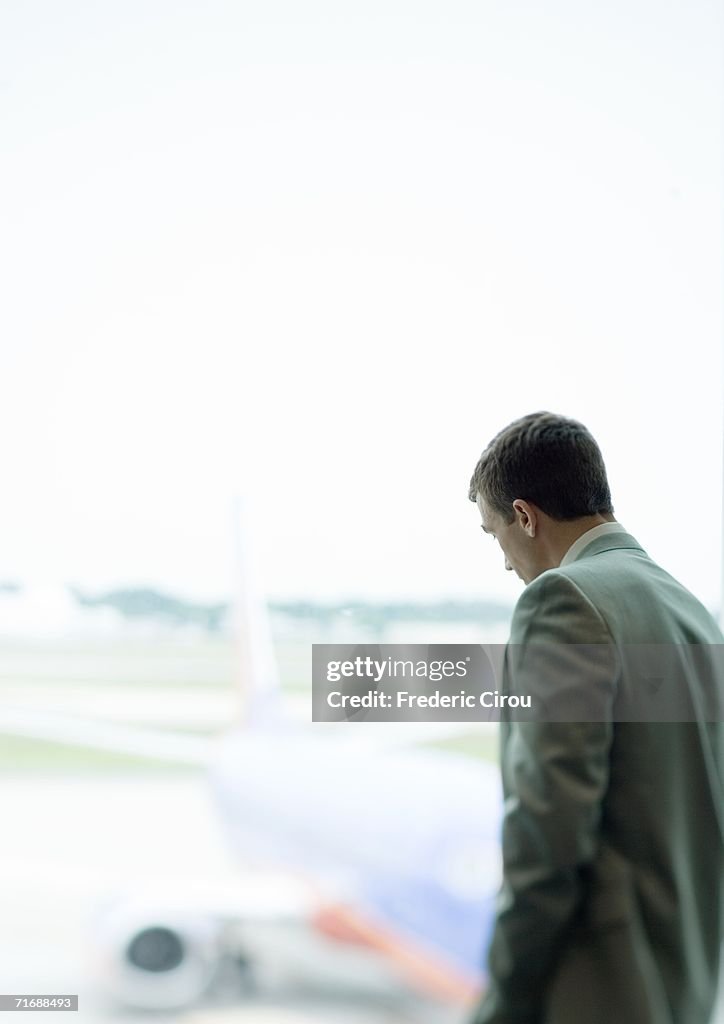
<point>546,459</point>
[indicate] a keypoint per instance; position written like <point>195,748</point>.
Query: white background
<point>321,252</point>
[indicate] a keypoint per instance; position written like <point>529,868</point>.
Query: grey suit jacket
<point>611,905</point>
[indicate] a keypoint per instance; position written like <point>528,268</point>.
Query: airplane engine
<point>158,958</point>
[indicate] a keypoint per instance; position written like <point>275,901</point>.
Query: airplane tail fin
<point>257,672</point>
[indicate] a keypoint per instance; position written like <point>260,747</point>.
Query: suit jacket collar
<point>609,542</point>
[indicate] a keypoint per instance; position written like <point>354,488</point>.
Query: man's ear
<point>527,516</point>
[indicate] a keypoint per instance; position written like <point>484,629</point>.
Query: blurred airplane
<point>370,865</point>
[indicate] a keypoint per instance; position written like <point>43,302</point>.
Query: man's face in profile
<point>513,541</point>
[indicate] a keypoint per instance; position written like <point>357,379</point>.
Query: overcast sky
<point>321,252</point>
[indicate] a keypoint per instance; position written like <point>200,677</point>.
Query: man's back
<point>612,838</point>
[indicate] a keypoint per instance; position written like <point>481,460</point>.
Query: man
<point>610,909</point>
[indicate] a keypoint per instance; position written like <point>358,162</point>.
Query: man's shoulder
<point>622,587</point>
<point>556,607</point>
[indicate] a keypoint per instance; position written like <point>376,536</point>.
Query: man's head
<point>539,485</point>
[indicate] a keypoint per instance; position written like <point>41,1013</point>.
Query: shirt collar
<point>585,539</point>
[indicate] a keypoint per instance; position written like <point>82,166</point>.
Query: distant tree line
<point>378,615</point>
<point>146,603</point>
